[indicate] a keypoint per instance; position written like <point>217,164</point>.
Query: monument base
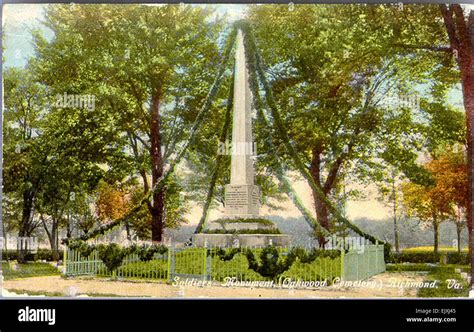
<point>237,224</point>
<point>240,240</point>
<point>242,200</point>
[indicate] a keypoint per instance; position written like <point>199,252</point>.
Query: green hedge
<point>41,254</point>
<point>261,221</point>
<point>243,231</point>
<point>429,257</point>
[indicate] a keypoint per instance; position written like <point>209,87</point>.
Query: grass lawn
<point>431,249</point>
<point>442,273</point>
<point>28,270</point>
<point>58,294</point>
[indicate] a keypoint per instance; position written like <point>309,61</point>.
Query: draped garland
<point>278,165</point>
<point>217,166</point>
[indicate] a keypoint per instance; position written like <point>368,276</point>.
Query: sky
<point>19,19</point>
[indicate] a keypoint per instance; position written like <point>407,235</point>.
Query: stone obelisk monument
<point>241,224</point>
<point>242,195</point>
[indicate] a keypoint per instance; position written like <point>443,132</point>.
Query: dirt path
<point>378,287</point>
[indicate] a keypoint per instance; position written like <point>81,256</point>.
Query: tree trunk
<point>461,36</point>
<point>5,243</point>
<point>395,222</point>
<point>52,236</point>
<point>26,217</point>
<point>458,233</point>
<point>395,232</point>
<point>54,242</point>
<point>157,207</point>
<point>436,236</point>
<point>322,213</point>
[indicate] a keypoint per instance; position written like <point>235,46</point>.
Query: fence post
<point>343,274</point>
<point>168,274</point>
<point>368,270</point>
<point>204,272</point>
<point>357,265</point>
<point>377,256</point>
<point>65,259</point>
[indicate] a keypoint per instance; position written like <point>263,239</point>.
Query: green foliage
<point>457,258</point>
<point>82,247</point>
<point>113,251</point>
<point>146,253</point>
<point>224,254</point>
<point>237,266</point>
<point>321,268</point>
<point>415,257</point>
<point>305,256</point>
<point>112,255</point>
<point>269,265</point>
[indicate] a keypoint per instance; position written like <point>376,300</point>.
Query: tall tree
<point>460,28</point>
<point>24,103</point>
<point>329,76</point>
<point>155,64</point>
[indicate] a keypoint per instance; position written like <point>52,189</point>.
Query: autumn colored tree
<point>439,202</point>
<point>111,202</point>
<point>450,171</point>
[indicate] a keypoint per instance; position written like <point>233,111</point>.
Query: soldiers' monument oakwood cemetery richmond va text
<point>241,224</point>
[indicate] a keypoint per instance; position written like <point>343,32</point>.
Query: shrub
<point>270,263</point>
<point>82,247</point>
<point>112,255</point>
<point>414,257</point>
<point>237,267</point>
<point>224,255</point>
<point>461,258</point>
<point>322,268</point>
<point>146,253</point>
<point>304,256</point>
<point>44,254</point>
